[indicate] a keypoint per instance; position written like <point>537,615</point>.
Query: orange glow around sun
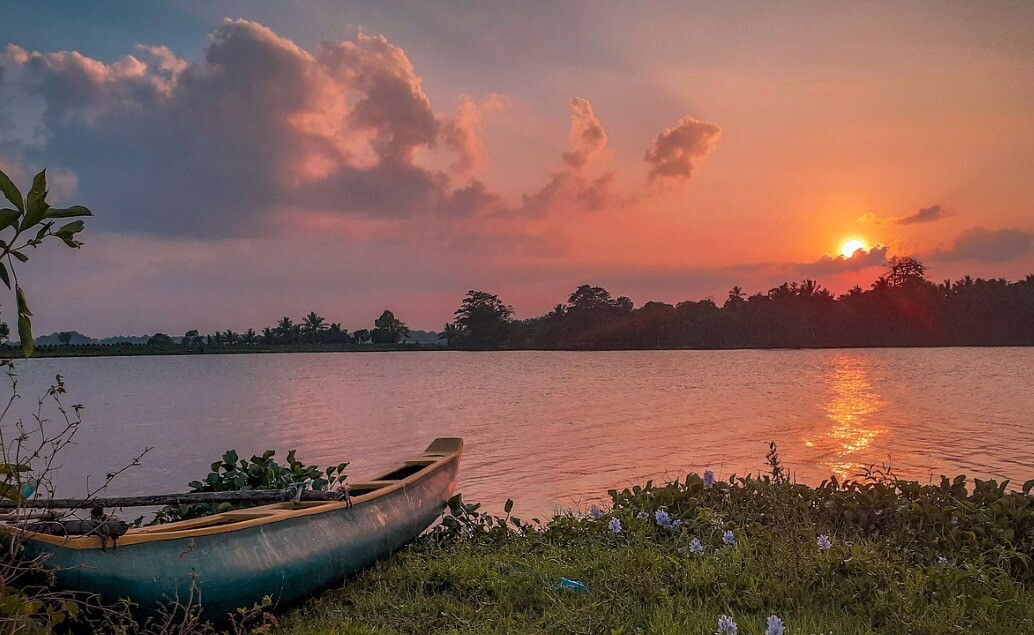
<point>851,246</point>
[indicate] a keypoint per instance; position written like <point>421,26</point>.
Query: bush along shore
<point>756,555</point>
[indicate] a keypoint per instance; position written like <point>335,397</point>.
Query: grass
<point>899,563</point>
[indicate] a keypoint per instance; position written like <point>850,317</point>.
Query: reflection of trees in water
<point>851,407</point>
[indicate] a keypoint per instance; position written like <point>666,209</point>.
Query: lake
<point>552,429</point>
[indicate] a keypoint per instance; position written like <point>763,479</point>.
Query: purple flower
<point>824,542</point>
<point>729,538</point>
<point>775,626</point>
<point>726,626</point>
<point>595,512</point>
<point>642,515</point>
<point>615,526</point>
<point>695,546</point>
<point>708,479</point>
<point>675,524</point>
<point>662,518</point>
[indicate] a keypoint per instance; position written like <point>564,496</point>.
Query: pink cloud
<point>220,147</point>
<point>678,150</point>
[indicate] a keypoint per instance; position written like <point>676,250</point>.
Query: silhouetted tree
<point>312,325</point>
<point>388,329</point>
<point>482,321</point>
<point>160,339</point>
<point>286,331</point>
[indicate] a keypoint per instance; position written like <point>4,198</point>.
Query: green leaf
<point>68,212</point>
<point>25,334</point>
<point>508,506</point>
<point>71,242</point>
<point>23,306</point>
<point>4,276</point>
<point>8,217</point>
<point>20,256</point>
<point>1029,485</point>
<point>70,229</point>
<point>35,203</point>
<point>11,191</point>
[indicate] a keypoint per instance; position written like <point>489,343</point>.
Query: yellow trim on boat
<point>439,454</point>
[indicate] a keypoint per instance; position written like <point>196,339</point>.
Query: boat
<point>287,550</point>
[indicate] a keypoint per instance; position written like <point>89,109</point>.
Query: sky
<point>246,161</point>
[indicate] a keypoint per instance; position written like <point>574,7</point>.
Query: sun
<point>851,246</point>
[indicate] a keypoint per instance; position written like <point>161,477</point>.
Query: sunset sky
<point>246,161</point>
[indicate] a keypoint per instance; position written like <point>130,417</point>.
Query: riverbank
<point>873,557</point>
<point>135,350</point>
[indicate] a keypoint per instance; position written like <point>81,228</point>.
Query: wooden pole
<point>192,498</point>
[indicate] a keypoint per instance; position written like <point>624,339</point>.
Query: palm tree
<point>268,335</point>
<point>286,330</point>
<point>451,334</point>
<point>249,337</point>
<point>230,337</point>
<point>312,324</point>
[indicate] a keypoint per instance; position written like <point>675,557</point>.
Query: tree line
<point>312,330</point>
<point>901,308</point>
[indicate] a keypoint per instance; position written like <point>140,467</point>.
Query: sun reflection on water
<point>851,407</point>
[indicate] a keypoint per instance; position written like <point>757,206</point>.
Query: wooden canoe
<point>285,550</point>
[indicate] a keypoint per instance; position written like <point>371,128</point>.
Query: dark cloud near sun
<point>988,245</point>
<point>923,215</point>
<point>877,256</point>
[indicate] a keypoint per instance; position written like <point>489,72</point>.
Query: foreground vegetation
<point>875,555</point>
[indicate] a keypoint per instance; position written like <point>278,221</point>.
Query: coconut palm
<point>312,324</point>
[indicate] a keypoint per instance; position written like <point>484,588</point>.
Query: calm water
<point>555,429</point>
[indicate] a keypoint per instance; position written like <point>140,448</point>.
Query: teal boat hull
<point>287,559</point>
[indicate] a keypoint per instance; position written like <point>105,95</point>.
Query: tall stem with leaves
<point>31,216</point>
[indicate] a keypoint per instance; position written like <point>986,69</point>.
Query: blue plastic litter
<point>573,585</point>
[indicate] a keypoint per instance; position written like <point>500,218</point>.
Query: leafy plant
<point>232,473</point>
<point>31,221</point>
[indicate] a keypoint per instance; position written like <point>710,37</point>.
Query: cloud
<point>677,151</point>
<point>213,148</point>
<point>462,133</point>
<point>986,245</point>
<point>587,137</point>
<point>260,134</point>
<point>924,215</point>
<point>877,256</point>
<point>573,186</point>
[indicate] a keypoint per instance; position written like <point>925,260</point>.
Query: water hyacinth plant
<point>595,512</point>
<point>695,546</point>
<point>726,626</point>
<point>824,542</point>
<point>775,626</point>
<point>708,479</point>
<point>662,518</point>
<point>728,538</point>
<point>614,526</point>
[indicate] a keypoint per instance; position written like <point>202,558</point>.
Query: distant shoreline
<point>136,350</point>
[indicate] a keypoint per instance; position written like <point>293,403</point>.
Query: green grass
<point>880,576</point>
